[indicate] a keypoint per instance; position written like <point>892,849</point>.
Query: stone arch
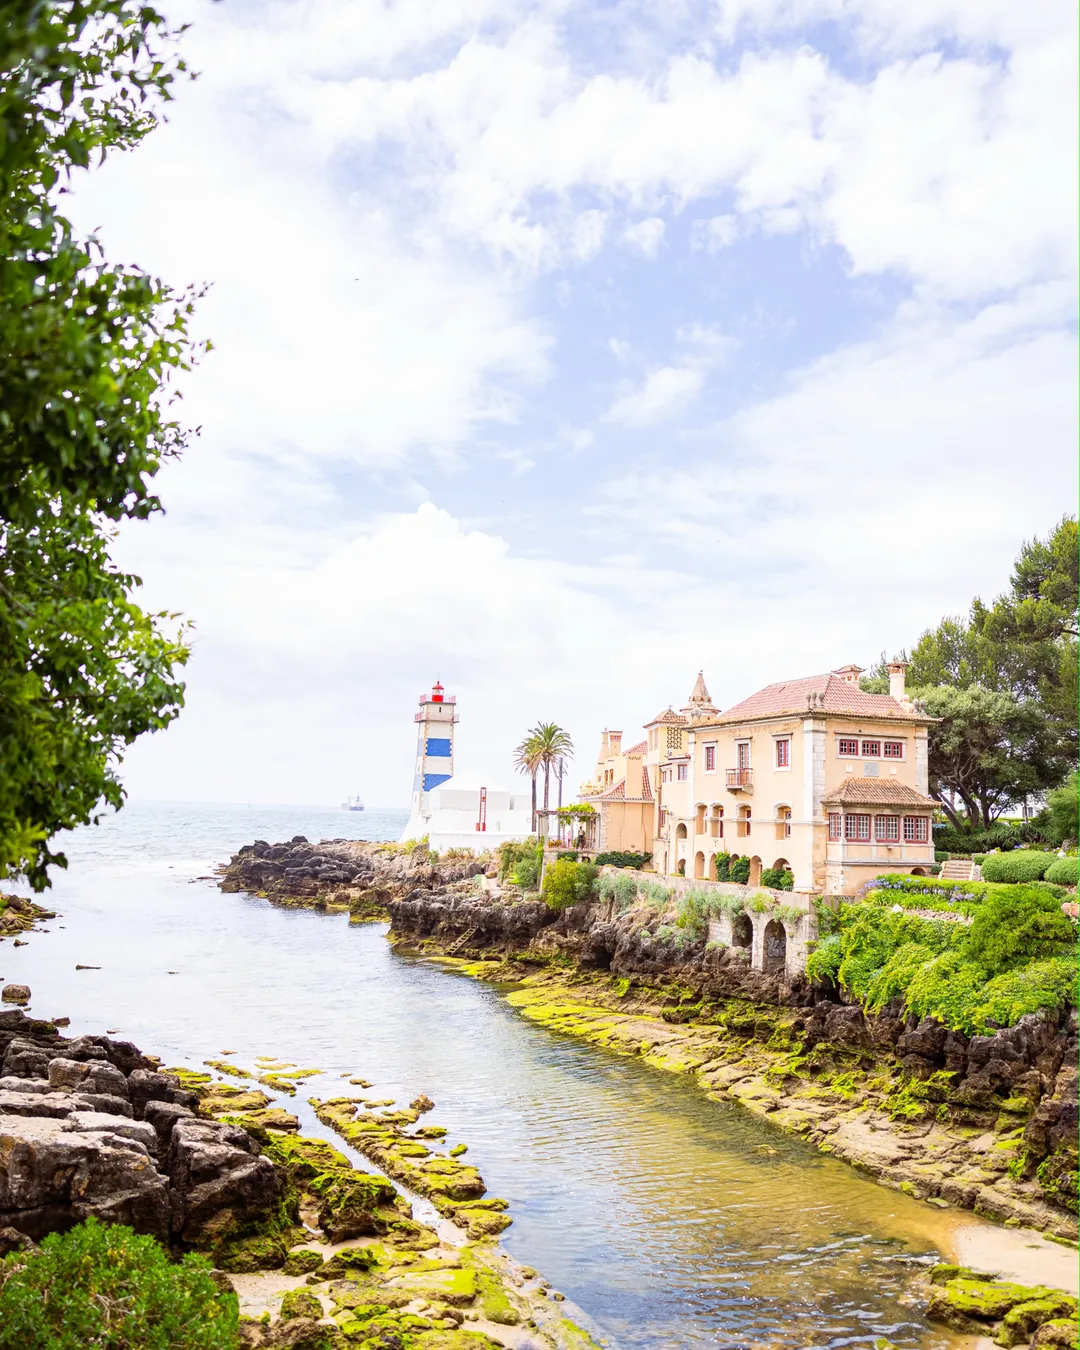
<point>918,872</point>
<point>680,831</point>
<point>775,946</point>
<point>699,865</point>
<point>680,867</point>
<point>781,865</point>
<point>755,871</point>
<point>742,931</point>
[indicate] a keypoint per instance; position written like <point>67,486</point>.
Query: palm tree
<point>527,760</point>
<point>552,745</point>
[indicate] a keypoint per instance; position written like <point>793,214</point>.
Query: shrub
<point>108,1287</point>
<point>778,878</point>
<point>570,853</point>
<point>731,905</point>
<point>513,852</point>
<point>999,836</point>
<point>616,858</point>
<point>626,891</point>
<point>789,915</point>
<point>1016,867</point>
<point>605,887</point>
<point>695,905</point>
<point>657,895</point>
<point>1017,925</point>
<point>722,865</point>
<point>740,871</point>
<point>568,883</point>
<point>1063,871</point>
<point>759,903</point>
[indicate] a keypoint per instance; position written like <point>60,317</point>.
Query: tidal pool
<point>669,1219</point>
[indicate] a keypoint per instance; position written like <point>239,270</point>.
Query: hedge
<point>615,858</point>
<point>1016,867</point>
<point>1063,872</point>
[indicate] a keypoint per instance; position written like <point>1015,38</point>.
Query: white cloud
<point>715,233</point>
<point>646,235</point>
<point>663,392</point>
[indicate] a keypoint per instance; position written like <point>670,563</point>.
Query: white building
<point>457,810</point>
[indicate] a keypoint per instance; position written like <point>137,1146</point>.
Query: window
<point>783,754</point>
<point>742,749</point>
<point>665,775</point>
<point>834,824</point>
<point>846,747</point>
<point>916,829</point>
<point>871,749</point>
<point>682,773</point>
<point>887,829</point>
<point>857,828</point>
<point>710,759</point>
<point>893,749</point>
<point>783,822</point>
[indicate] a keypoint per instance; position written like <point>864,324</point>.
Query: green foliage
<point>605,886</point>
<point>789,915</point>
<point>722,866</point>
<point>626,891</point>
<point>739,871</point>
<point>578,811</point>
<point>87,352</point>
<point>568,883</point>
<point>658,895</point>
<point>759,903</point>
<point>989,748</point>
<point>928,892</point>
<point>514,851</point>
<point>731,905</point>
<point>1017,925</point>
<point>108,1287</point>
<point>570,853</point>
<point>1064,871</point>
<point>616,858</point>
<point>694,907</point>
<point>1001,835</point>
<point>1059,820</point>
<point>1017,956</point>
<point>778,879</point>
<point>1016,867</point>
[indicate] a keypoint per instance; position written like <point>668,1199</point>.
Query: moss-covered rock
<point>970,1303</point>
<point>302,1261</point>
<point>1022,1321</point>
<point>1059,1332</point>
<point>300,1303</point>
<point>244,1255</point>
<point>351,1203</point>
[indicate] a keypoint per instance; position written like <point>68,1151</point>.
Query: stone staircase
<point>960,869</point>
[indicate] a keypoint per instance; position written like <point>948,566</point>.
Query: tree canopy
<point>1004,684</point>
<point>88,350</point>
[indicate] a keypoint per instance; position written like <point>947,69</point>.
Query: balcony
<point>740,780</point>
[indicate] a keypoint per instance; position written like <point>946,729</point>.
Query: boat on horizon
<point>352,804</point>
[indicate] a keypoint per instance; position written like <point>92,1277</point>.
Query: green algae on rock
<point>972,1303</point>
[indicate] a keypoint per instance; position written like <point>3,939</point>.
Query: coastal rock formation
<point>19,915</point>
<point>90,1126</point>
<point>339,874</point>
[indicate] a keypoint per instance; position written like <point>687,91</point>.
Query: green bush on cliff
<point>107,1287</point>
<point>568,883</point>
<point>740,871</point>
<point>1017,956</point>
<point>514,852</point>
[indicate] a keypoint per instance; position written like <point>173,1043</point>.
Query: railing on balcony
<point>740,779</point>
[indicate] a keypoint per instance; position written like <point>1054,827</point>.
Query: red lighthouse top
<point>436,692</point>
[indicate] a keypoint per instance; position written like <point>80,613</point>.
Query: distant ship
<point>352,804</point>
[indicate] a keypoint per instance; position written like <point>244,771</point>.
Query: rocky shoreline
<point>987,1123</point>
<point>320,1254</point>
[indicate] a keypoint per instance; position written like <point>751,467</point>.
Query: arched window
<point>783,822</point>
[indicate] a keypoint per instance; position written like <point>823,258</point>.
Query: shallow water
<point>671,1220</point>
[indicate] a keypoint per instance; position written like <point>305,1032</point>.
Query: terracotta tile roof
<point>876,792</point>
<point>831,694</point>
<point>668,718</point>
<point>638,749</point>
<point>619,793</point>
<point>646,786</point>
<point>615,794</point>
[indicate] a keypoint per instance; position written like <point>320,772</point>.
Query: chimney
<point>615,742</point>
<point>604,744</point>
<point>849,674</point>
<point>897,687</point>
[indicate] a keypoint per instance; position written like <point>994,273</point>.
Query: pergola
<point>564,826</point>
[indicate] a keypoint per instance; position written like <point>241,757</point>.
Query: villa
<point>811,776</point>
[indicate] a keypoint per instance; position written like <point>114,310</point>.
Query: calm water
<point>672,1220</point>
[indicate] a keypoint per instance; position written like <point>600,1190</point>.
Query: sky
<point>561,350</point>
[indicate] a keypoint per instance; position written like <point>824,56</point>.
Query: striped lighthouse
<point>434,751</point>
